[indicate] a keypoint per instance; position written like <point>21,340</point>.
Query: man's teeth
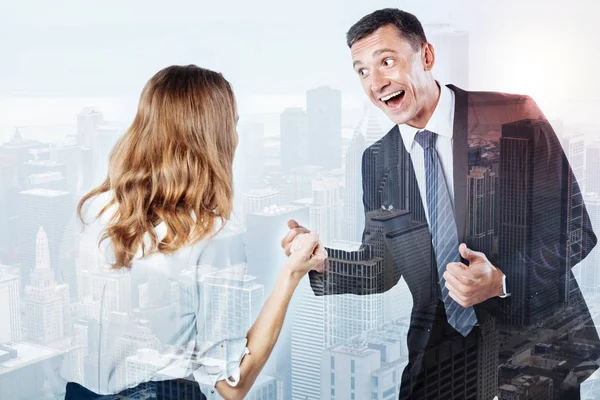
<point>389,96</point>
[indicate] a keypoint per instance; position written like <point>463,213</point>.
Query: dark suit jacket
<point>515,199</point>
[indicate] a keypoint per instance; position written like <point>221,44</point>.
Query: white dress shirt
<point>189,317</point>
<point>441,123</point>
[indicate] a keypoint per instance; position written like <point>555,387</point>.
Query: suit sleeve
<point>562,234</point>
<point>329,282</point>
<point>573,208</point>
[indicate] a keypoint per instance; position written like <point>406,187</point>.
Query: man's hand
<point>294,239</point>
<point>473,284</point>
<point>295,230</point>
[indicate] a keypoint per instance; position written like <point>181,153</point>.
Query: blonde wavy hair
<point>173,165</point>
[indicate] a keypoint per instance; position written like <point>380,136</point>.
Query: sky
<point>58,57</point>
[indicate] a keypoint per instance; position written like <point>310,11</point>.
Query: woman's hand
<point>306,253</point>
<point>306,239</point>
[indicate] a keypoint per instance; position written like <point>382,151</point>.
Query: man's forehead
<point>387,37</point>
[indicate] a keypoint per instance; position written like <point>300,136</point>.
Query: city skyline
<point>304,127</point>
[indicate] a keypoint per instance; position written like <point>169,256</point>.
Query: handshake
<point>304,249</point>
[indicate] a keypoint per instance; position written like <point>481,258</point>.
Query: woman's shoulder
<point>225,247</point>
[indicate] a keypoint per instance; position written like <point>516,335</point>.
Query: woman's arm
<point>263,335</point>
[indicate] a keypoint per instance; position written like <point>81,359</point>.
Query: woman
<point>159,224</point>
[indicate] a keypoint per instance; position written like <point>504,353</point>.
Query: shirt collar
<point>441,121</point>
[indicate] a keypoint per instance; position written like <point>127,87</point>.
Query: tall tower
<point>10,309</point>
<point>324,111</point>
<point>349,315</point>
<point>481,186</point>
<point>294,140</point>
<point>52,209</point>
<point>574,147</point>
<point>451,54</point>
<point>353,218</point>
<point>530,218</point>
<point>46,302</point>
<point>256,200</point>
<point>250,155</point>
<point>308,342</point>
<point>265,229</point>
<point>590,270</point>
<point>9,181</point>
<point>592,167</point>
<point>88,120</point>
<point>325,211</point>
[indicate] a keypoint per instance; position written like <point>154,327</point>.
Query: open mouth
<point>393,100</point>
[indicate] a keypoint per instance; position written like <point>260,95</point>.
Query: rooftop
<point>44,192</point>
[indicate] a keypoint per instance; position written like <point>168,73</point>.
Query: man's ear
<point>427,56</point>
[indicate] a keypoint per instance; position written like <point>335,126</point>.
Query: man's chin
<point>398,117</point>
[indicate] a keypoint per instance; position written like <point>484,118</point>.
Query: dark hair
<point>407,24</point>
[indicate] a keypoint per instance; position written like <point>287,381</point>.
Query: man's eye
<point>388,62</point>
<point>362,72</point>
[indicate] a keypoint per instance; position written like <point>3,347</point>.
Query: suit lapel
<point>410,196</point>
<point>460,159</point>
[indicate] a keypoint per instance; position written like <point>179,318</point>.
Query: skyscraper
<point>530,217</point>
<point>249,161</point>
<point>592,167</point>
<point>351,366</point>
<point>233,294</point>
<point>8,212</point>
<point>481,189</point>
<point>300,181</point>
<point>323,321</point>
<point>451,54</point>
<point>68,153</point>
<point>324,112</point>
<point>51,209</point>
<point>349,315</point>
<point>115,285</point>
<point>106,138</point>
<point>590,269</point>
<point>294,140</point>
<point>33,167</point>
<point>325,211</point>
<point>367,366</point>
<point>353,218</point>
<point>46,303</point>
<point>10,309</point>
<point>371,125</point>
<point>88,121</point>
<point>574,147</point>
<point>47,180</point>
<point>19,148</point>
<point>264,231</point>
<point>308,342</point>
<point>256,200</point>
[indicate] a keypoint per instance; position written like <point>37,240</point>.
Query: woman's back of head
<point>173,164</point>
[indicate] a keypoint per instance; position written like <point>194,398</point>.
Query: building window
<point>332,362</point>
<point>352,366</point>
<point>352,383</point>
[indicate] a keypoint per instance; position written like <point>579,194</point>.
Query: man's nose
<point>378,82</point>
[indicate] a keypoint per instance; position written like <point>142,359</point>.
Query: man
<point>482,177</point>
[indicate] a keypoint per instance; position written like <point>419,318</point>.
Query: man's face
<point>391,72</point>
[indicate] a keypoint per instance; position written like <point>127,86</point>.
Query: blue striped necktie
<point>443,231</point>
